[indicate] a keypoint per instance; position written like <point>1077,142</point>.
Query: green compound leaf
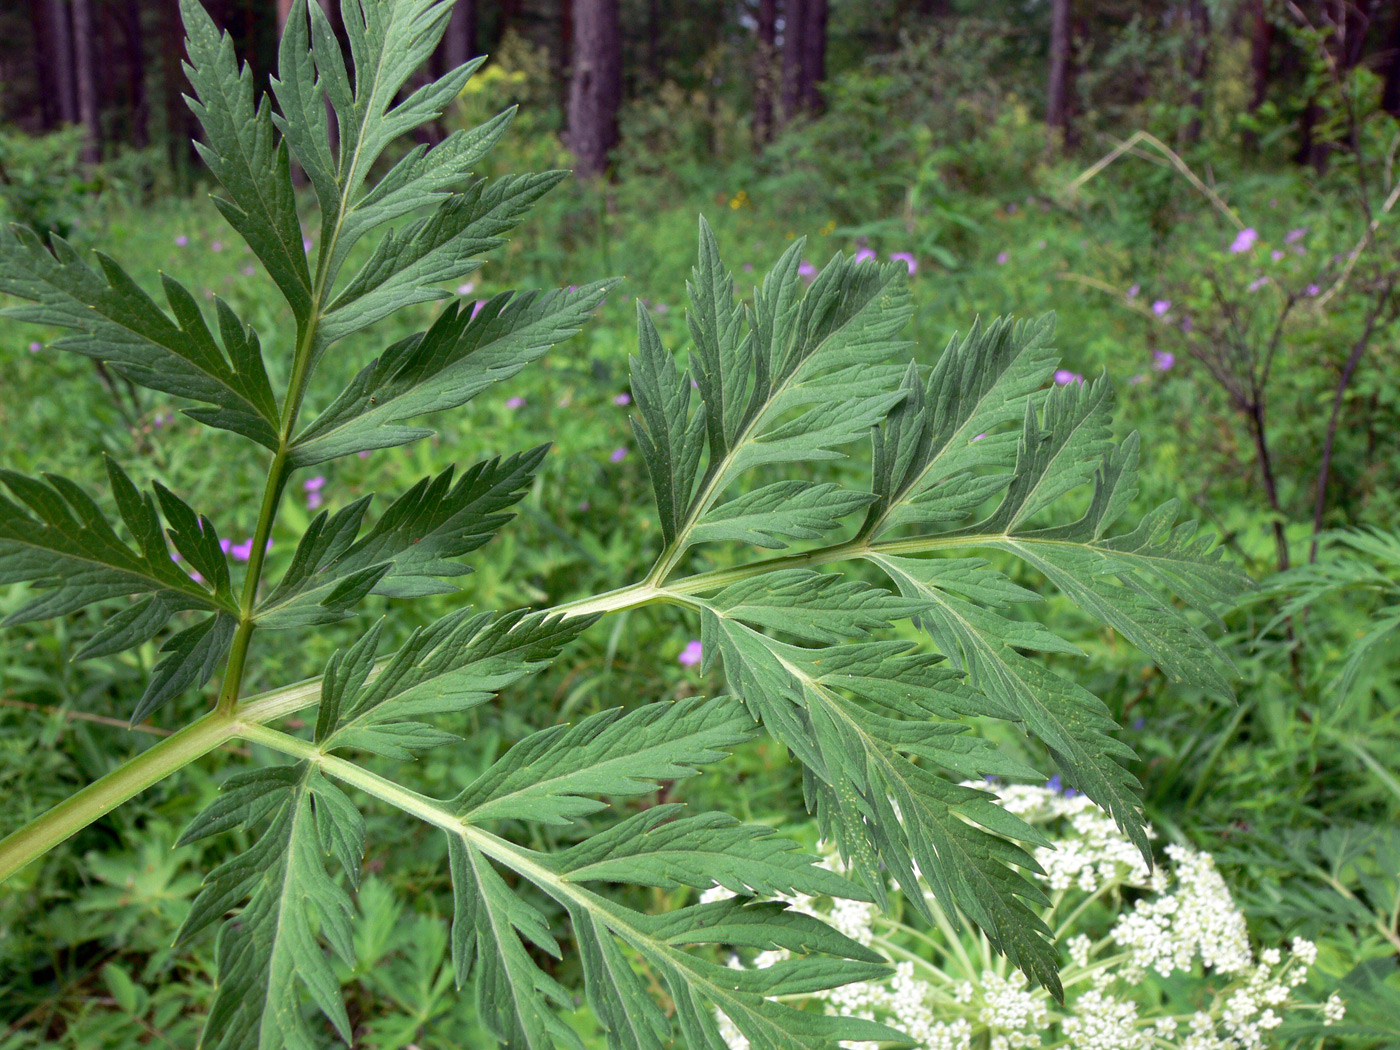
<point>785,510</point>
<point>272,952</point>
<point>118,323</point>
<point>410,551</point>
<point>56,538</point>
<point>790,381</point>
<point>445,246</point>
<point>860,716</point>
<point>551,776</point>
<point>664,847</point>
<point>453,665</point>
<point>445,367</point>
<point>242,149</point>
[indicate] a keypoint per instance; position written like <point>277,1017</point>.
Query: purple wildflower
<point>1011,208</point>
<point>618,454</point>
<point>806,270</point>
<point>865,255</point>
<point>1257,283</point>
<point>622,399</point>
<point>1001,258</point>
<point>476,308</point>
<point>692,654</point>
<point>979,437</point>
<point>242,551</point>
<point>466,289</point>
<point>1135,380</point>
<point>907,259</point>
<point>1294,236</point>
<point>159,421</point>
<point>225,544</point>
<point>515,402</point>
<point>1276,254</point>
<point>181,241</point>
<point>1162,360</point>
<point>661,308</point>
<point>1187,324</point>
<point>34,348</point>
<point>1312,289</point>
<point>1133,291</point>
<point>312,487</point>
<point>1244,240</point>
<point>1161,306</point>
<point>217,246</point>
<point>363,453</point>
<point>1064,377</point>
<point>248,271</point>
<point>306,245</point>
<point>748,267</point>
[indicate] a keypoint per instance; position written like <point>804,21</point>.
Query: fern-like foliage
<point>1359,563</point>
<point>975,463</point>
<point>971,457</point>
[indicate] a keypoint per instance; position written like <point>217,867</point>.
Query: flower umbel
<point>949,991</point>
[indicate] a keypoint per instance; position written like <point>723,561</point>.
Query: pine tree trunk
<point>459,42</point>
<point>654,41</point>
<point>39,16</point>
<point>84,64</point>
<point>136,73</point>
<point>1390,91</point>
<point>765,72</point>
<point>61,36</point>
<point>1057,93</point>
<point>813,55</point>
<point>794,38</point>
<point>595,88</point>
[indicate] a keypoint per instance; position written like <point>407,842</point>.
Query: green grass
<point>84,935</point>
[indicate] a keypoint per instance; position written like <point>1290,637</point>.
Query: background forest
<point>1204,191</point>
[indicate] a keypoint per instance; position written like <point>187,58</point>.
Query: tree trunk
<point>1057,93</point>
<point>84,64</point>
<point>39,17</point>
<point>459,42</point>
<point>654,41</point>
<point>765,72</point>
<point>1198,26</point>
<point>813,55</point>
<point>61,36</point>
<point>595,88</point>
<point>136,73</point>
<point>1261,43</point>
<point>177,114</point>
<point>1390,92</point>
<point>794,36</point>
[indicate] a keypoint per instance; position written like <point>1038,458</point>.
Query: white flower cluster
<point>1014,1014</point>
<point>1187,924</point>
<point>1100,1020</point>
<point>1166,933</point>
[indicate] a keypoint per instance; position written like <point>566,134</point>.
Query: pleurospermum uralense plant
<point>790,378</point>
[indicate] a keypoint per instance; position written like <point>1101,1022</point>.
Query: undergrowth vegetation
<point>638,661</point>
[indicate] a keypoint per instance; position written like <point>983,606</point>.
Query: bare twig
<point>1357,352</point>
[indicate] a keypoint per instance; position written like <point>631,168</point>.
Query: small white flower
<point>1333,1010</point>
